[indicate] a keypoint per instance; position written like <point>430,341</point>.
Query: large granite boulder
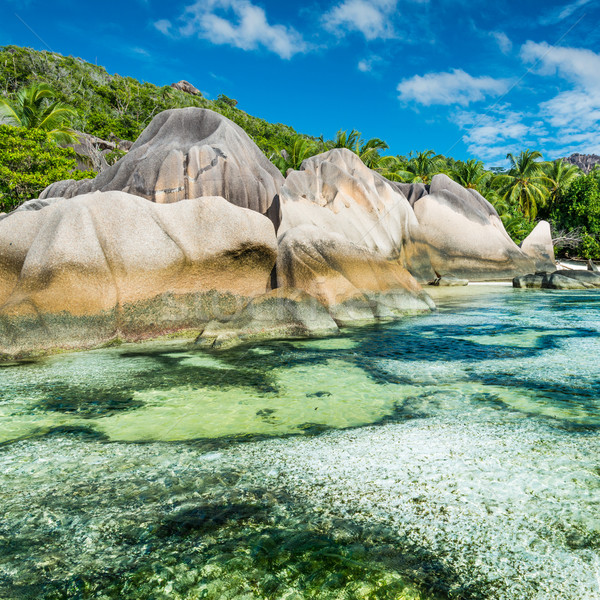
<point>338,193</point>
<point>106,265</point>
<point>538,246</point>
<point>465,235</point>
<point>353,282</point>
<point>189,153</point>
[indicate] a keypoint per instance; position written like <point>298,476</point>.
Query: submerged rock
<point>85,270</point>
<point>449,281</point>
<point>559,280</point>
<point>281,313</point>
<point>189,153</point>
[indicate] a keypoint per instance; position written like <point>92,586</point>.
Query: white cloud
<point>574,113</point>
<point>502,40</point>
<point>164,26</point>
<point>491,136</point>
<point>456,87</point>
<point>578,65</point>
<point>366,65</point>
<point>238,23</point>
<point>562,13</point>
<point>369,17</point>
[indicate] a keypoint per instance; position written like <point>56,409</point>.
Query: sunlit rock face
<point>348,238</point>
<point>538,245</point>
<point>85,270</point>
<point>465,235</point>
<point>336,192</point>
<point>189,153</point>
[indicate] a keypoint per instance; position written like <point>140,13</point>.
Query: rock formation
<point>538,245</point>
<point>189,153</point>
<point>465,235</point>
<point>187,87</point>
<point>181,234</point>
<point>281,313</point>
<point>86,270</point>
<point>348,238</point>
<point>586,162</point>
<point>563,279</point>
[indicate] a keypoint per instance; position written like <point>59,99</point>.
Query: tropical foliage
<point>112,106</point>
<point>30,160</point>
<point>35,107</point>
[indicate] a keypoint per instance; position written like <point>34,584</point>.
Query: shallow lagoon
<point>452,455</point>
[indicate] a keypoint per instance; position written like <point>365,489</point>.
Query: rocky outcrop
<point>586,162</point>
<point>465,235</point>
<point>189,153</point>
<point>348,238</point>
<point>336,192</point>
<point>187,87</point>
<point>89,269</point>
<point>563,279</point>
<point>538,246</point>
<point>281,313</point>
<point>353,282</point>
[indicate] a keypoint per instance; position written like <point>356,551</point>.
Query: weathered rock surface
<point>336,192</point>
<point>92,151</point>
<point>281,313</point>
<point>586,162</point>
<point>538,246</point>
<point>189,153</point>
<point>449,282</point>
<point>354,283</point>
<point>559,280</point>
<point>88,269</point>
<point>591,266</point>
<point>187,87</point>
<point>465,235</point>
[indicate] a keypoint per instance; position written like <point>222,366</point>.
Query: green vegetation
<point>30,160</point>
<point>35,107</point>
<point>35,84</point>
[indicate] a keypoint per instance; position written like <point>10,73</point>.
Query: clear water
<point>452,455</point>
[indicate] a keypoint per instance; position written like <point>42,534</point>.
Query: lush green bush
<point>578,209</point>
<point>30,160</point>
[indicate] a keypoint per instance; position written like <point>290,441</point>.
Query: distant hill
<point>115,106</point>
<point>586,162</point>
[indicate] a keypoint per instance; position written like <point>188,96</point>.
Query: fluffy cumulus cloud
<point>575,112</point>
<point>455,87</point>
<point>238,23</point>
<point>369,17</point>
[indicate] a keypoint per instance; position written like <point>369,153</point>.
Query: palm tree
<point>525,183</point>
<point>294,153</point>
<point>470,174</point>
<point>35,107</point>
<point>369,151</point>
<point>422,166</point>
<point>343,139</point>
<point>561,175</point>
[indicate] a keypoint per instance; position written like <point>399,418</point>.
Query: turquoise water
<point>451,455</point>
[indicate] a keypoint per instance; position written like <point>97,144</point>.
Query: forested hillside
<point>112,104</point>
<point>86,98</point>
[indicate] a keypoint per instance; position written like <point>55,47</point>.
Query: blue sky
<point>467,78</point>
